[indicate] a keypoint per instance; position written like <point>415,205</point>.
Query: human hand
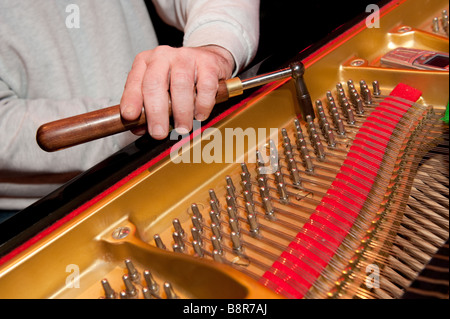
<point>185,78</point>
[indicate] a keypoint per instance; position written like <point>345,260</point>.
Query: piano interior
<point>218,216</point>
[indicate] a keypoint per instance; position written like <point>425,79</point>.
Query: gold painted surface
<point>150,201</point>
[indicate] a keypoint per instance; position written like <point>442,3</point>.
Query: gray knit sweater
<point>60,58</point>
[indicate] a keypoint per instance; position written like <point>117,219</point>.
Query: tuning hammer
<point>90,126</point>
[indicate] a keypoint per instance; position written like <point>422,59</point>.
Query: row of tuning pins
<point>351,105</point>
<point>440,23</point>
<point>133,285</point>
<point>233,218</point>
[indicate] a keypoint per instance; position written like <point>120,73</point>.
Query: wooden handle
<point>90,126</point>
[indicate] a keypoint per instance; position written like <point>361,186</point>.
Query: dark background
<point>286,26</point>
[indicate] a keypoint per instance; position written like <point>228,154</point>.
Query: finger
<point>155,86</point>
<point>207,86</point>
<point>132,100</point>
<point>182,84</point>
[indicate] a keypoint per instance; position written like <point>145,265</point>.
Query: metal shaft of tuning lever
<point>109,292</point>
<point>132,272</point>
<point>101,123</point>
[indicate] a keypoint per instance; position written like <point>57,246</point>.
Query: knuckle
<point>181,81</point>
<point>153,85</point>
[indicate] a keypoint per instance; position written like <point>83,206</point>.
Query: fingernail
<point>200,117</point>
<point>158,131</point>
<point>182,130</point>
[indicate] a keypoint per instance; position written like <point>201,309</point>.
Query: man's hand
<point>185,78</point>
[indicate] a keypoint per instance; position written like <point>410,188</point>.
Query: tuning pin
<point>217,256</point>
<point>306,159</point>
<point>359,107</point>
<point>234,225</point>
<point>177,226</point>
<point>197,223</point>
<point>230,192</point>
<point>197,248</point>
<point>248,196</point>
<point>146,293</point>
<point>152,286</point>
<point>109,292</point>
<point>376,88</point>
<point>213,197</point>
<point>130,289</point>
<point>253,223</point>
<point>215,229</point>
<point>367,97</point>
<point>214,218</point>
<point>170,293</point>
<point>231,212</point>
<point>217,245</point>
<point>231,203</point>
<point>177,249</point>
<point>282,192</point>
<point>230,184</point>
<point>214,207</point>
<point>196,211</point>
<point>268,208</point>
<point>196,235</point>
<point>250,208</point>
<point>236,242</point>
<point>178,240</point>
<point>132,272</point>
<point>259,159</point>
<point>158,242</point>
<point>246,184</point>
